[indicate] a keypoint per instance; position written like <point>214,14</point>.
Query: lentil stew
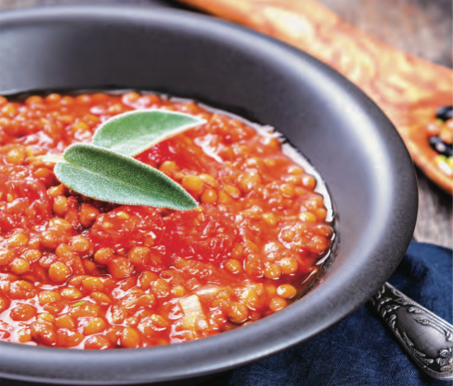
<point>80,273</point>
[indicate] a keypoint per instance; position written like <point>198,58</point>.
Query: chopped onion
<point>191,305</point>
<point>193,318</point>
<point>189,322</point>
<point>208,290</point>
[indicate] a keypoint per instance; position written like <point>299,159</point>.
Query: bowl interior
<point>346,137</point>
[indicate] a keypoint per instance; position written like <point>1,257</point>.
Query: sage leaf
<point>109,176</point>
<point>134,132</point>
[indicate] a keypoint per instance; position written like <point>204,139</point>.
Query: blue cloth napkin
<point>360,351</point>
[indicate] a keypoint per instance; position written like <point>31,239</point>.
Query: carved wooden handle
<point>427,338</point>
<point>407,88</point>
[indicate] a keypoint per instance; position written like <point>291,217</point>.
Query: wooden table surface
<point>420,27</point>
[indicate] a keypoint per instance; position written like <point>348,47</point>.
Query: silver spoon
<point>427,338</point>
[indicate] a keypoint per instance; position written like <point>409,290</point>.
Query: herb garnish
<point>106,171</point>
<point>134,132</point>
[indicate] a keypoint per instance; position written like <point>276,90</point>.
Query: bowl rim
<point>240,346</point>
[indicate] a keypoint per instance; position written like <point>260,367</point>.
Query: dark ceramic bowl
<point>347,138</point>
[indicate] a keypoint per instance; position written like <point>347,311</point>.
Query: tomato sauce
<point>80,273</point>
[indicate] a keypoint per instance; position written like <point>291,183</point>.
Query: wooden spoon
<point>407,88</point>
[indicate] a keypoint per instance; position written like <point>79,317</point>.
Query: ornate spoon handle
<point>427,338</point>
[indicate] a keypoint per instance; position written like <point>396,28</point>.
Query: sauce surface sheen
<point>80,273</point>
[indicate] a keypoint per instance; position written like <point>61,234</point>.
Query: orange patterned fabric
<point>407,88</point>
